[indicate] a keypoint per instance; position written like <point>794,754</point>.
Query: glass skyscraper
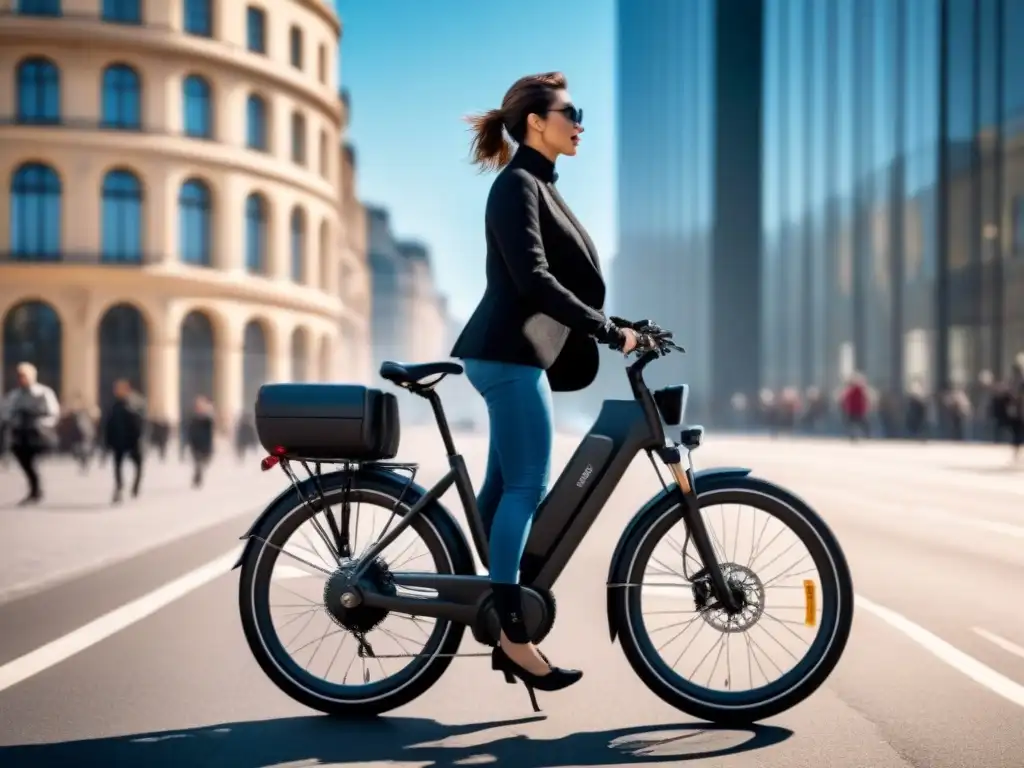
<point>893,189</point>
<point>689,88</point>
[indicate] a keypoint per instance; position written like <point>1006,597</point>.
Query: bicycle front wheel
<point>780,558</point>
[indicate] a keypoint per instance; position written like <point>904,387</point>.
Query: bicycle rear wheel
<point>358,661</point>
<point>803,605</point>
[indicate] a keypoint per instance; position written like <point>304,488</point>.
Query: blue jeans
<point>518,401</point>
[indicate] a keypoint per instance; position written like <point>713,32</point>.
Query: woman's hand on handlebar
<point>629,340</point>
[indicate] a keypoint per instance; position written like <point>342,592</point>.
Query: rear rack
<point>338,542</point>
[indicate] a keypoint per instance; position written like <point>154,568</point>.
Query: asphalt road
<point>933,675</point>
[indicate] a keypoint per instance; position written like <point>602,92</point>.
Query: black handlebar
<point>652,342</point>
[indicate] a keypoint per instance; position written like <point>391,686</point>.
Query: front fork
<point>682,473</point>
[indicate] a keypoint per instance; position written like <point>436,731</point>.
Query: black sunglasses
<point>573,114</point>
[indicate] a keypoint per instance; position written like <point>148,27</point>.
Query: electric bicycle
<point>700,582</point>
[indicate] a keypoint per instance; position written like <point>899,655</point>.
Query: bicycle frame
<point>623,428</point>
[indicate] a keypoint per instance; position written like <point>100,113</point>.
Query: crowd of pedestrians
<point>33,426</point>
<point>991,411</point>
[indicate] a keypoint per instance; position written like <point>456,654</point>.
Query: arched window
<point>35,213</point>
<point>298,244</point>
<point>256,122</point>
<point>195,230</point>
<point>256,234</point>
<point>40,8</point>
<point>198,18</point>
<point>122,98</point>
<point>295,43</point>
<point>195,361</point>
<point>32,334</point>
<point>196,112</point>
<point>123,344</point>
<point>122,217</point>
<point>122,11</point>
<point>298,138</point>
<point>254,363</point>
<point>256,29</point>
<point>38,83</point>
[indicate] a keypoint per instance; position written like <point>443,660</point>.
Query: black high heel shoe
<point>555,680</point>
<point>508,604</point>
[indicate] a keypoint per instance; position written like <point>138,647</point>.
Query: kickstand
<point>533,698</point>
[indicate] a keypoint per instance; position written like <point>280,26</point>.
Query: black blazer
<point>545,291</point>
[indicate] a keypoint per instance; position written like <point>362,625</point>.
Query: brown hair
<point>528,95</point>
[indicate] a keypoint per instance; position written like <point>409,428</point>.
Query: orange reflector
<point>810,603</point>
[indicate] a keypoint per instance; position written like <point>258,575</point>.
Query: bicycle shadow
<point>320,740</point>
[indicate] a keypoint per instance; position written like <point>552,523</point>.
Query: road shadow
<point>320,740</point>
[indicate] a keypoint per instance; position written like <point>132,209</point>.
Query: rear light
<point>269,463</point>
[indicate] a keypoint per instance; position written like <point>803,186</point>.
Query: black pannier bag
<point>328,421</point>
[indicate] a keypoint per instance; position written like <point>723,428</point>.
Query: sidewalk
<point>76,529</point>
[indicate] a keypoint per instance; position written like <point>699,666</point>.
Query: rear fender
<point>368,477</point>
<point>617,568</point>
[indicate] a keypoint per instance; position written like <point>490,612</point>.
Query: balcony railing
<point>28,257</point>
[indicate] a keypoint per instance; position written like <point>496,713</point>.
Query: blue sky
<point>415,68</point>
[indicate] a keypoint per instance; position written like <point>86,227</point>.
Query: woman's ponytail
<point>489,147</point>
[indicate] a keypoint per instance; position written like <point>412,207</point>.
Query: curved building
<point>171,198</point>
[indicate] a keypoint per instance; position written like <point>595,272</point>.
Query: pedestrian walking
<point>855,403</point>
<point>123,428</point>
<point>199,435</point>
<point>29,414</point>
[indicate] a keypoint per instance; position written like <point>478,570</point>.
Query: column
<point>81,219</point>
<point>80,352</point>
<point>166,13</point>
<point>162,375</point>
<point>278,360</point>
<point>81,8</point>
<point>161,216</point>
<point>229,225</point>
<point>279,267</point>
<point>228,376</point>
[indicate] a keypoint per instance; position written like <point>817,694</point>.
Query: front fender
<point>701,478</point>
<point>399,486</point>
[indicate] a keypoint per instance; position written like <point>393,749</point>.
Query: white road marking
<point>1001,642</point>
<point>63,648</point>
<point>954,657</point>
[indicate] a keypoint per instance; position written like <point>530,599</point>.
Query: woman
<point>30,413</point>
<point>535,330</point>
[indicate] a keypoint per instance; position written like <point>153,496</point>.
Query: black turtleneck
<point>513,220</point>
<point>529,159</point>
